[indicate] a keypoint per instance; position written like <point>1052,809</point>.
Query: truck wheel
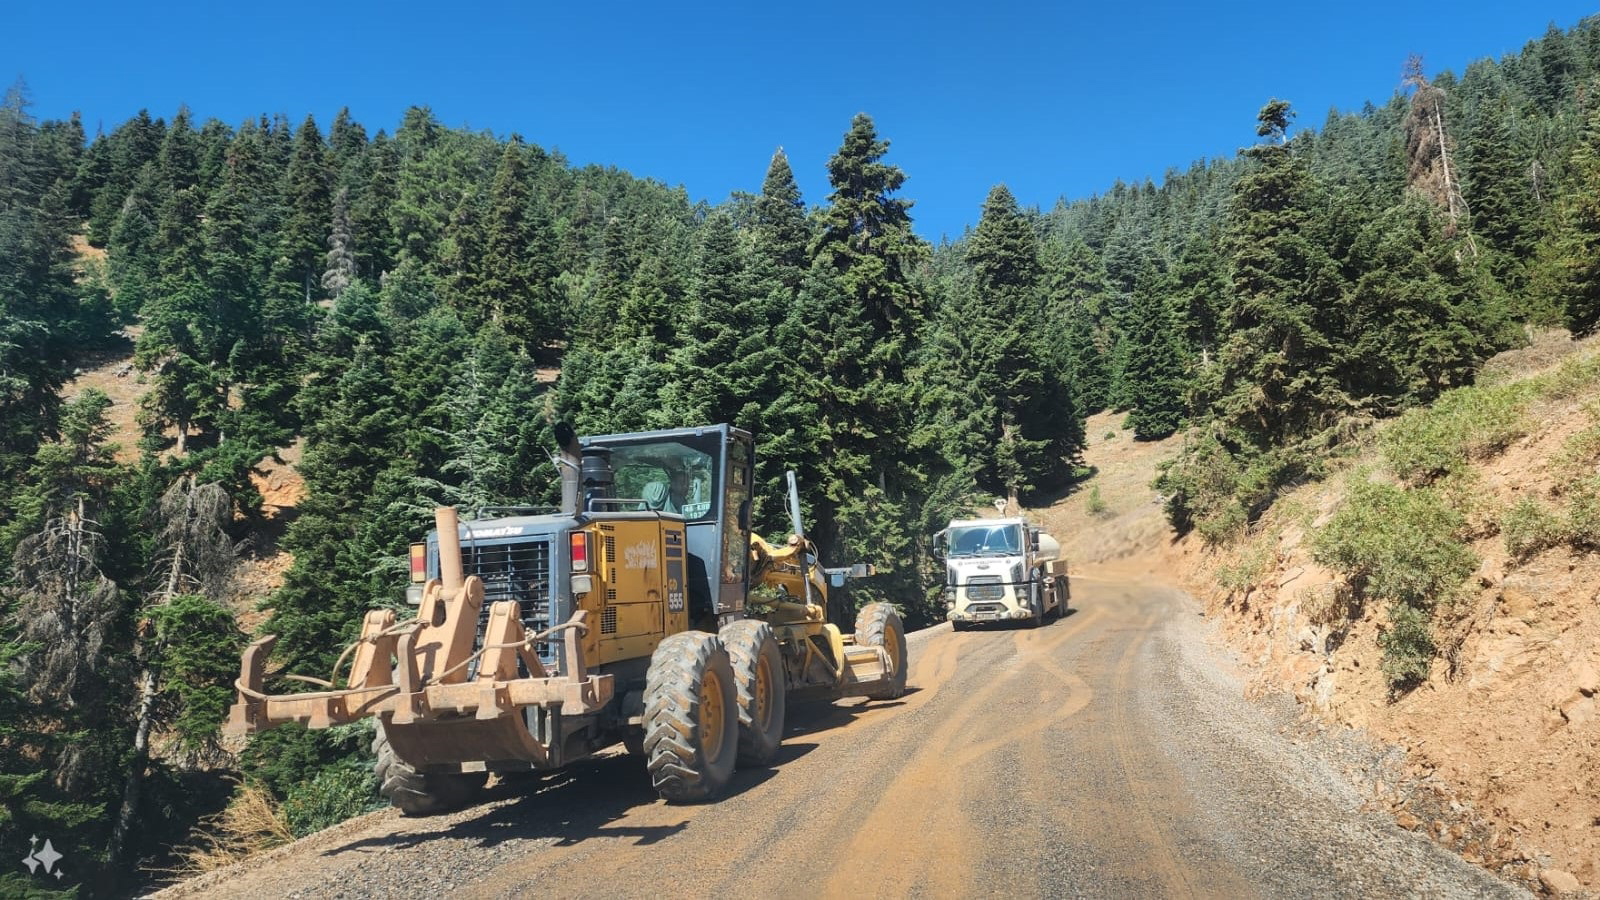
<point>1064,591</point>
<point>417,793</point>
<point>959,626</point>
<point>691,722</point>
<point>878,625</point>
<point>759,688</point>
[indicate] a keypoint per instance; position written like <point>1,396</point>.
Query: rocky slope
<point>1503,737</point>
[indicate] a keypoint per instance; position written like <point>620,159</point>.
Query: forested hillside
<point>386,299</point>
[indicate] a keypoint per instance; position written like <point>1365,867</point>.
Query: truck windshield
<point>985,540</point>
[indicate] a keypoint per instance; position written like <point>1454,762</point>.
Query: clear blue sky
<point>1053,99</point>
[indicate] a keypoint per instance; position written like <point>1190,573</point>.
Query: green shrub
<point>335,794</point>
<point>1248,565</point>
<point>1464,424</point>
<point>1096,504</point>
<point>1582,525</point>
<point>1575,377</point>
<point>200,655</point>
<point>1111,435</point>
<point>1407,647</point>
<point>1529,527</point>
<point>289,755</point>
<point>1217,492</point>
<point>1580,452</point>
<point>1396,544</point>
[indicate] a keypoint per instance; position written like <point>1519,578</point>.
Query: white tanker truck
<point>999,570</point>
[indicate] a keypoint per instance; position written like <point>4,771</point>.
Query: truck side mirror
<point>1033,540</point>
<point>939,541</point>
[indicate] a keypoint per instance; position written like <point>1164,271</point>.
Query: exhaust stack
<point>598,478</point>
<point>567,464</point>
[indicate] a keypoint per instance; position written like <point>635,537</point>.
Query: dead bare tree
<point>1428,148</point>
<point>195,554</point>
<point>67,610</point>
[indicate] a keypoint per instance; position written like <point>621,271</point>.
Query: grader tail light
<point>580,552</point>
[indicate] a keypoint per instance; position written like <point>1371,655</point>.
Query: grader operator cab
<point>642,611</point>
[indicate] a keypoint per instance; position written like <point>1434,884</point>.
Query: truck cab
<point>1000,570</point>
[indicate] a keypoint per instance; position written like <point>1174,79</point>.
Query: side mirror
<point>1033,540</point>
<point>939,542</point>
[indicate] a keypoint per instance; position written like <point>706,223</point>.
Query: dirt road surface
<point>1107,754</point>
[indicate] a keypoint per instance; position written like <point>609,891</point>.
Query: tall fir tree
<point>1278,368</point>
<point>1155,371</point>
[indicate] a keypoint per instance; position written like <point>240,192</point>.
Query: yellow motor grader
<point>642,611</point>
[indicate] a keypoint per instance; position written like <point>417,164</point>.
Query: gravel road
<point>1109,753</point>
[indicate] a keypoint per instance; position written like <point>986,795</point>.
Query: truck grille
<point>985,587</point>
<point>514,571</point>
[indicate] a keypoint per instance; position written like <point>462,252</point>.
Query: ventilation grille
<point>608,621</point>
<point>514,571</point>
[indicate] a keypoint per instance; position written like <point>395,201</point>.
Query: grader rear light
<point>580,551</point>
<point>419,563</point>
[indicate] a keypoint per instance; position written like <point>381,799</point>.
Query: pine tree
<point>1154,373</point>
<point>308,187</point>
<point>178,163</point>
<point>1570,254</point>
<point>1086,366</point>
<point>714,381</point>
<point>780,231</point>
<point>862,309</point>
<point>1422,315</point>
<point>1033,427</point>
<point>514,269</point>
<point>38,293</point>
<point>1277,370</point>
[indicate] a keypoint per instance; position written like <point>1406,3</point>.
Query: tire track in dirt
<point>878,860</point>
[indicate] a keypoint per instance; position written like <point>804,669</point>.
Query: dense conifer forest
<point>396,305</point>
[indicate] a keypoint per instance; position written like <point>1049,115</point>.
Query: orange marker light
<point>419,563</point>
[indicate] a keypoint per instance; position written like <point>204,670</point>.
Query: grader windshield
<point>670,476</point>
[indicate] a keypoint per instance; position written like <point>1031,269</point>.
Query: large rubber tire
<point>758,682</point>
<point>959,626</point>
<point>421,794</point>
<point>879,625</point>
<point>1064,591</point>
<point>691,724</point>
<point>1035,603</point>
